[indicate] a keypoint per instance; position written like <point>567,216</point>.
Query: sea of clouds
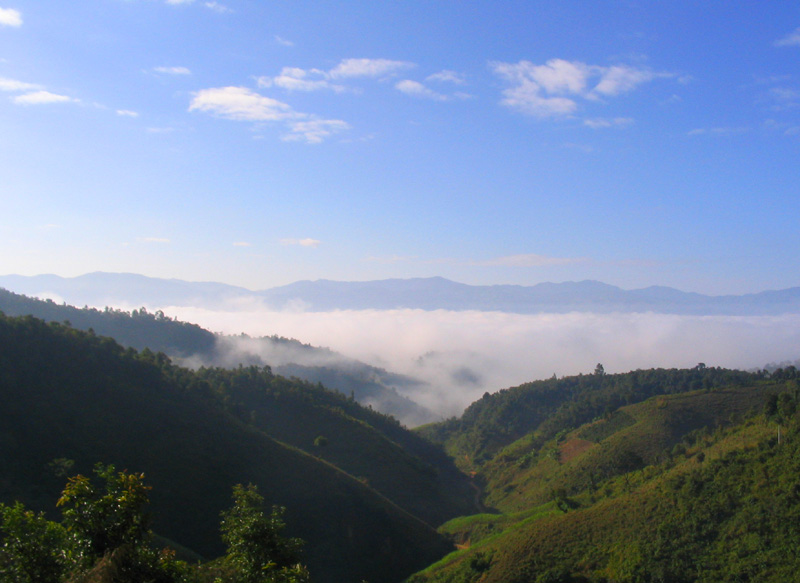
<point>462,354</point>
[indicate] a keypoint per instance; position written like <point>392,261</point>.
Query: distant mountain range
<point>435,293</point>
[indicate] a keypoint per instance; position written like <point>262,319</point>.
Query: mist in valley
<point>459,355</point>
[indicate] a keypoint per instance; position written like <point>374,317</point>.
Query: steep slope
<point>722,505</point>
<point>196,346</point>
<point>66,394</point>
<point>541,409</point>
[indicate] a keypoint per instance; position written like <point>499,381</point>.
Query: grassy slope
<point>721,511</point>
<point>521,476</point>
<point>542,409</point>
<point>67,394</point>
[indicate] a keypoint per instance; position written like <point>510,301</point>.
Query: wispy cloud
<point>10,17</point>
<point>127,113</point>
<point>531,260</point>
<point>241,244</point>
<point>368,68</point>
<point>553,89</point>
<point>295,79</point>
<point>217,7</point>
<point>314,131</point>
<point>718,131</point>
<point>283,42</point>
<point>13,85</point>
<point>243,104</point>
<point>790,40</point>
<point>391,259</point>
<point>600,123</point>
<point>447,76</point>
<point>302,242</point>
<point>240,103</point>
<point>417,89</point>
<point>176,2</point>
<point>172,70</point>
<point>41,98</point>
<point>520,260</point>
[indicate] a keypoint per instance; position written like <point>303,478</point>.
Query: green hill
<point>66,394</point>
<point>194,346</point>
<point>541,409</point>
<point>686,487</point>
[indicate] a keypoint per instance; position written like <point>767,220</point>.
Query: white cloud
<point>127,113</point>
<point>792,39</point>
<point>241,244</point>
<point>283,42</point>
<point>391,259</point>
<point>447,77</point>
<point>314,131</point>
<point>368,68</point>
<point>10,17</point>
<point>552,89</point>
<point>296,79</point>
<point>173,70</point>
<point>176,2</point>
<point>621,79</point>
<point>602,123</point>
<point>13,85</point>
<point>302,242</point>
<point>41,98</point>
<point>531,260</point>
<point>217,7</point>
<point>785,94</point>
<point>417,89</point>
<point>526,99</point>
<point>720,131</point>
<point>241,104</point>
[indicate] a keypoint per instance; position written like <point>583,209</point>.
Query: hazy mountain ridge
<point>435,293</point>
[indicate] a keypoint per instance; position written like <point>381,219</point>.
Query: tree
<point>108,530</point>
<point>599,370</point>
<point>257,553</point>
<point>30,546</point>
<point>102,519</point>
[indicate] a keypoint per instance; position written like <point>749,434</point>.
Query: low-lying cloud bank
<point>461,355</point>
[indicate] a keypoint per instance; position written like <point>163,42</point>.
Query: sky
<point>260,143</point>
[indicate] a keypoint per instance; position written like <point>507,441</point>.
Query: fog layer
<point>461,355</point>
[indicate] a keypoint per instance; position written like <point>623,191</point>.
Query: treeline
<point>138,328</point>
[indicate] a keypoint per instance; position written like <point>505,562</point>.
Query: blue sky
<point>259,143</point>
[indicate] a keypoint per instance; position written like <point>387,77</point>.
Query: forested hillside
<point>660,475</point>
<point>687,485</point>
<point>194,346</point>
<point>540,409</point>
<point>358,487</point>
